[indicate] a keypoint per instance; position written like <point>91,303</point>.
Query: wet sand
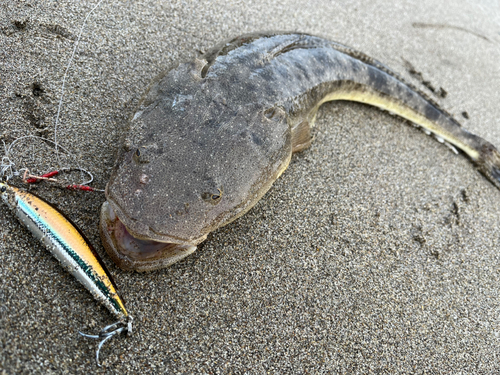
<point>376,251</point>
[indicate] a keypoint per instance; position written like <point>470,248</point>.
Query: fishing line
<point>75,48</point>
<point>8,167</point>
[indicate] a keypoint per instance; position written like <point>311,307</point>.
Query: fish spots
<point>257,140</point>
<point>183,211</point>
<point>211,123</point>
<point>180,101</point>
<point>377,80</point>
<point>431,112</point>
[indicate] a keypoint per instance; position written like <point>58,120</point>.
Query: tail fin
<point>488,163</point>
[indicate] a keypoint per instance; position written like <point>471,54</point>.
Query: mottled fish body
<point>212,135</point>
<point>67,244</point>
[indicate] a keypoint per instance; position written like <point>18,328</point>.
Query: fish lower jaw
<point>130,253</point>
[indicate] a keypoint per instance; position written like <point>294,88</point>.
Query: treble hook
<point>106,334</point>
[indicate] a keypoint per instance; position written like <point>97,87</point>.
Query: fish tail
<point>388,93</point>
<point>488,162</point>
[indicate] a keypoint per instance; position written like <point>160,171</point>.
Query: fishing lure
<point>70,247</point>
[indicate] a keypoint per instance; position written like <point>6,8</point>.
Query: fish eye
<point>3,189</point>
<point>212,198</point>
<point>140,157</point>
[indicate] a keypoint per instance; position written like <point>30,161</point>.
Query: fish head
<point>191,163</point>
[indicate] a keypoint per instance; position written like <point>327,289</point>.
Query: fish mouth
<point>130,252</point>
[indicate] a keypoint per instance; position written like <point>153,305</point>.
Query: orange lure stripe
<point>67,244</point>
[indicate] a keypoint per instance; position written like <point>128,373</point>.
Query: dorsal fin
<point>306,41</point>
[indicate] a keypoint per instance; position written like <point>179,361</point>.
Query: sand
<point>375,252</point>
